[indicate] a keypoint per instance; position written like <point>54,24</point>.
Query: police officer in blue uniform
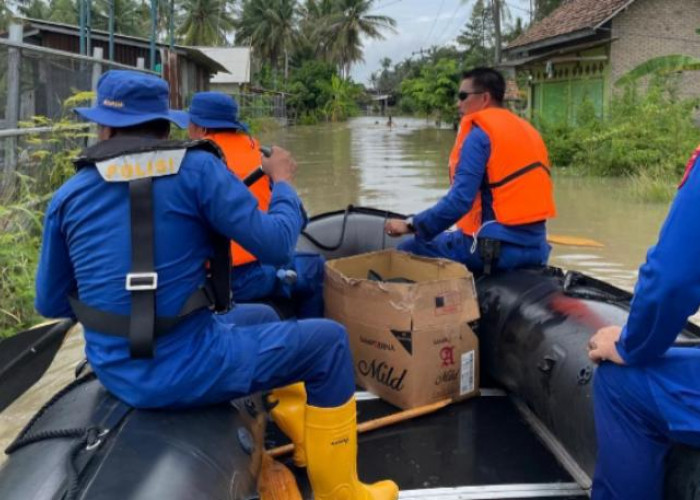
<point>129,241</point>
<point>646,393</point>
<point>214,116</point>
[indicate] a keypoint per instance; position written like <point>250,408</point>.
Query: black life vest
<point>139,162</point>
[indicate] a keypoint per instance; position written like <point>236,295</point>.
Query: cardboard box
<point>411,343</point>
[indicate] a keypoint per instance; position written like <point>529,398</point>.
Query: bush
<point>46,163</point>
<point>20,236</point>
<point>646,136</point>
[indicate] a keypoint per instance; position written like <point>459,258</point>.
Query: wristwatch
<point>409,223</point>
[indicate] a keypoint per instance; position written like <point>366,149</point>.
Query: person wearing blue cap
<point>214,116</point>
<point>133,247</point>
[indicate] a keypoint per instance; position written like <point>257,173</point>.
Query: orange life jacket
<point>517,171</point>
<point>242,155</point>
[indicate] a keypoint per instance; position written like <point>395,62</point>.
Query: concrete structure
<point>582,48</point>
<point>236,60</point>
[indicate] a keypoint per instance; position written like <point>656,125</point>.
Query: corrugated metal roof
<point>69,29</point>
<point>571,17</point>
<point>236,60</point>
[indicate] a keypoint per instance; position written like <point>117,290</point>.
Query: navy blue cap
<point>126,98</point>
<point>215,110</point>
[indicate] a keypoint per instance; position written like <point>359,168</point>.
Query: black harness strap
<point>518,173</point>
<point>119,325</point>
<point>142,281</point>
<point>220,273</point>
<point>143,324</point>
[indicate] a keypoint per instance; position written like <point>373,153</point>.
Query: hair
<point>487,80</point>
<point>155,128</point>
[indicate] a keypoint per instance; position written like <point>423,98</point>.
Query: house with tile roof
<point>582,48</point>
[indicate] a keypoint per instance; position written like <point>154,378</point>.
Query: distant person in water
<point>646,395</point>
<point>501,192</point>
<point>389,122</point>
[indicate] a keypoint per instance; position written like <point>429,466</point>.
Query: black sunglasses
<point>463,95</point>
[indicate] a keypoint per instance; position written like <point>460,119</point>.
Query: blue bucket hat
<point>215,110</point>
<point>126,98</point>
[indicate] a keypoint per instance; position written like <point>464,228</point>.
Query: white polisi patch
<point>141,165</point>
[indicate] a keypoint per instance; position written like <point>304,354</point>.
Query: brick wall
<point>650,28</point>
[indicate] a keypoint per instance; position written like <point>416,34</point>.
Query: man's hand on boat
<point>280,165</point>
<point>397,227</point>
<point>601,347</point>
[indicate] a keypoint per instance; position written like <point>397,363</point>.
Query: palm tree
<point>64,11</point>
<point>346,28</point>
<point>270,27</point>
<point>315,15</point>
<point>129,17</point>
<point>204,22</point>
<point>35,9</point>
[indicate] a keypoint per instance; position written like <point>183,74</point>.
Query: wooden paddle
<point>574,241</point>
<point>377,423</point>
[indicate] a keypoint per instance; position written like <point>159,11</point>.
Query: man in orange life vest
<point>501,192</point>
<point>214,116</point>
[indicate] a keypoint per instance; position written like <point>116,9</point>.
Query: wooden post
<point>98,53</point>
<point>14,67</point>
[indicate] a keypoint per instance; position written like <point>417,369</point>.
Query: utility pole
<point>497,29</point>
<point>111,30</point>
<point>171,27</point>
<point>88,27</point>
<point>154,28</point>
<point>82,27</point>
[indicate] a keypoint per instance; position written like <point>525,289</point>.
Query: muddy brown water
<point>403,168</point>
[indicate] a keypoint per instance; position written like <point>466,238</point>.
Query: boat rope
<point>16,444</point>
<point>349,210</point>
<point>331,248</point>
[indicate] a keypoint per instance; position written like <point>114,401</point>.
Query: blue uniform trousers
<point>254,281</point>
<point>456,245</point>
<point>638,416</point>
<point>230,356</point>
<point>313,351</point>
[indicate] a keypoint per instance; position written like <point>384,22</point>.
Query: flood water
<point>403,168</point>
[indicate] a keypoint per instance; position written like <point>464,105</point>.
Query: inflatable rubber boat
<point>530,434</point>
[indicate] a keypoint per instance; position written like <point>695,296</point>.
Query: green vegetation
<point>45,163</point>
<point>647,136</point>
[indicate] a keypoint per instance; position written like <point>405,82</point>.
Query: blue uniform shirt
<point>667,293</point>
<point>87,246</point>
<point>470,177</point>
<point>668,288</point>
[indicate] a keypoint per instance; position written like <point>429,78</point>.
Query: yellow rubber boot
<point>331,453</point>
<point>288,414</point>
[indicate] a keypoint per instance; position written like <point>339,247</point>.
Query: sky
<point>420,24</point>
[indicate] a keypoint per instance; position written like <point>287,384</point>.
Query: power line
<point>380,6</point>
<point>446,38</point>
<point>518,7</point>
<point>442,3</point>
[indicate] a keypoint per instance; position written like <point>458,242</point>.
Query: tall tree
<point>64,11</point>
<point>205,22</point>
<point>314,17</point>
<point>347,27</point>
<point>543,8</point>
<point>270,27</point>
<point>478,35</point>
<point>34,9</point>
<point>129,17</point>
